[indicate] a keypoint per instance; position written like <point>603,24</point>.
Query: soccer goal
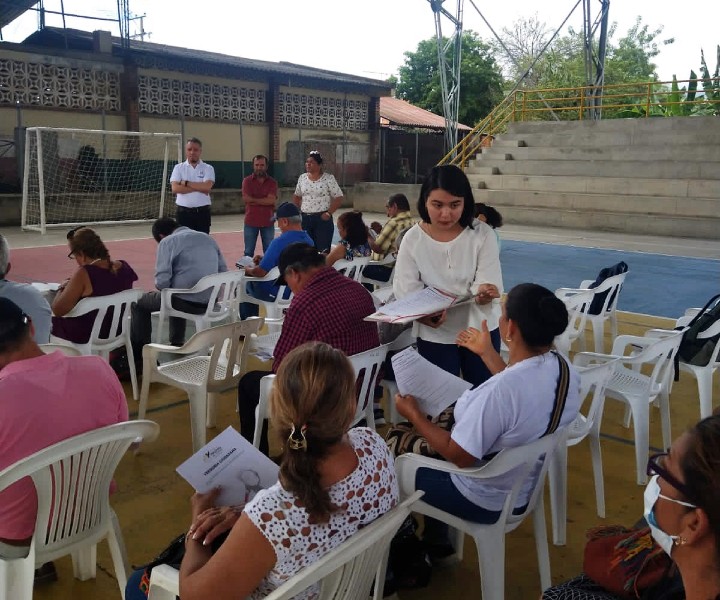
<point>81,176</point>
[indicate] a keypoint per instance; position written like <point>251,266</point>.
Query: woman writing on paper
<point>448,252</point>
<point>333,481</point>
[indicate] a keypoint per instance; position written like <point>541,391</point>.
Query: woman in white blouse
<point>318,196</point>
<point>447,251</point>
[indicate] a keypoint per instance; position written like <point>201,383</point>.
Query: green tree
<point>481,80</point>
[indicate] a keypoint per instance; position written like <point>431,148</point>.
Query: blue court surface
<point>656,284</point>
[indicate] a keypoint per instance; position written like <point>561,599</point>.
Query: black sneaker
<point>379,416</point>
<point>46,573</point>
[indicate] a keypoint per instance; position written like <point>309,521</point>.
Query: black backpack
<point>598,300</point>
<point>696,351</point>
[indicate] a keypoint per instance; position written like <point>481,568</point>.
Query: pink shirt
<point>44,400</point>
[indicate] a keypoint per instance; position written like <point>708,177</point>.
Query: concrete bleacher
<point>645,176</point>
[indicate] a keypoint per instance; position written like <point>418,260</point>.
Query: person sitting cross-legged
<point>289,221</point>
<point>326,307</point>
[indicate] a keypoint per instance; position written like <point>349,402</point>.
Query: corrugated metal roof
<point>12,9</point>
<point>82,40</point>
<point>394,111</point>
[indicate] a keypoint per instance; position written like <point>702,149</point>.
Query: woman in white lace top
<point>333,481</point>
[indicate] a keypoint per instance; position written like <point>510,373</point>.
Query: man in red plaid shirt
<point>326,307</point>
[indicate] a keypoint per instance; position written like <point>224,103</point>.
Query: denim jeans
<point>320,230</point>
<point>267,234</point>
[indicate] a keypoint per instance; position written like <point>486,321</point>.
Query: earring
<point>508,339</point>
<point>680,541</point>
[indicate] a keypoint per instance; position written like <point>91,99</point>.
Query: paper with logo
<point>422,303</point>
<point>434,388</point>
<point>234,464</point>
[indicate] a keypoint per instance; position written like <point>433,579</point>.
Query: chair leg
<point>664,401</point>
<point>557,477</point>
<point>85,562</point>
<point>491,558</point>
<point>596,454</point>
<point>598,334</point>
<point>211,410</point>
<point>260,416</point>
<point>705,390</point>
<point>198,414</point>
<point>145,389</point>
<point>17,578</point>
<point>541,543</point>
<point>391,388</point>
<point>641,425</point>
<point>131,366</point>
<point>118,552</point>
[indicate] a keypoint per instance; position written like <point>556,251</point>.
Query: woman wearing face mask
<point>682,509</point>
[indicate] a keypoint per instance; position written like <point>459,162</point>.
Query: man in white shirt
<point>192,181</point>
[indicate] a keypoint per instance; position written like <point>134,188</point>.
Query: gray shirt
<point>184,257</point>
<point>32,303</point>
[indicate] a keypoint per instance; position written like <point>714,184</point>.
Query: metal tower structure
<point>449,51</point>
<point>595,53</point>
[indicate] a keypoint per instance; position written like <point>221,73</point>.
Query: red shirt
<point>253,186</point>
<point>330,309</point>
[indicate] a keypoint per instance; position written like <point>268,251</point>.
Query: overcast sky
<point>369,37</point>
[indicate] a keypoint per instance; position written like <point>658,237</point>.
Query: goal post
<point>85,176</point>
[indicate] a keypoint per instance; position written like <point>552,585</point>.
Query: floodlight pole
<point>595,55</point>
<point>449,67</point>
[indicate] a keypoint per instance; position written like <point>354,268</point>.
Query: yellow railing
<point>627,100</point>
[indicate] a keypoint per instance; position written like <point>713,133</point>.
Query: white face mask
<point>652,493</point>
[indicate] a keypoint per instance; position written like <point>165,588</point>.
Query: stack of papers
<point>245,262</point>
<point>434,388</point>
<point>234,464</point>
<point>263,346</point>
<point>424,302</point>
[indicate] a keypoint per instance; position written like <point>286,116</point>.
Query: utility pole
<point>595,54</point>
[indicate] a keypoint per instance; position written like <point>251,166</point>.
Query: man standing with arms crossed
<point>192,181</point>
<point>259,193</point>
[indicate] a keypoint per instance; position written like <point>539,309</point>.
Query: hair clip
<point>298,443</point>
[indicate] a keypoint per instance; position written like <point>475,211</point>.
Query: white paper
<point>434,388</point>
<point>424,302</point>
<point>245,262</point>
<point>263,346</point>
<point>234,464</point>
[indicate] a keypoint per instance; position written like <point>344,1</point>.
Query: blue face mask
<point>652,493</point>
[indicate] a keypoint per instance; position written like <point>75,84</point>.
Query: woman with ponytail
<point>333,481</point>
<point>97,275</point>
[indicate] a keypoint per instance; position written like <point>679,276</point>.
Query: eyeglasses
<point>655,467</point>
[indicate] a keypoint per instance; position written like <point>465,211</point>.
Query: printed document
<point>434,388</point>
<point>422,303</point>
<point>234,464</point>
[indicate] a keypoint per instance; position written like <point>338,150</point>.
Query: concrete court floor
<point>152,500</point>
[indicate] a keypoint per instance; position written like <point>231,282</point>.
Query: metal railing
<point>626,100</point>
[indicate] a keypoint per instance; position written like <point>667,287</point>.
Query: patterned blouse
<point>364,495</point>
<point>316,195</point>
<point>355,251</point>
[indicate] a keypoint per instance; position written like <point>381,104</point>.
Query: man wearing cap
<point>326,307</point>
<point>290,223</point>
<point>259,193</point>
<point>44,399</point>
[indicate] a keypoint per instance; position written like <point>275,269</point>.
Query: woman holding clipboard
<point>447,251</point>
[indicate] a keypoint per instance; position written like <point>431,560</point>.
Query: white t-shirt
<point>458,267</point>
<point>316,195</point>
<point>367,493</point>
<point>510,409</point>
<point>198,174</point>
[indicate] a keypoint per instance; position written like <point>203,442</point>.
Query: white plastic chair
<point>66,350</point>
<point>352,268</point>
<point>490,538</point>
<point>218,368</point>
<point>405,339</point>
<point>345,573</point>
<point>119,333</point>
<point>275,310</point>
<point>593,378</point>
<point>703,374</point>
<point>221,287</point>
<point>366,365</point>
<point>72,479</point>
<point>577,302</point>
<point>638,390</point>
<point>390,259</point>
<point>612,285</point>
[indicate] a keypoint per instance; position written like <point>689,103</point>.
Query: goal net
<point>81,176</point>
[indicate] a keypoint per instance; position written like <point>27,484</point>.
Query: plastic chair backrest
<point>227,351</point>
<point>595,378</point>
<point>347,572</point>
<point>116,305</point>
<point>611,287</point>
<point>577,302</point>
<point>352,268</point>
<point>367,365</point>
<point>72,479</point>
<point>661,354</point>
<point>66,350</point>
<point>711,331</point>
